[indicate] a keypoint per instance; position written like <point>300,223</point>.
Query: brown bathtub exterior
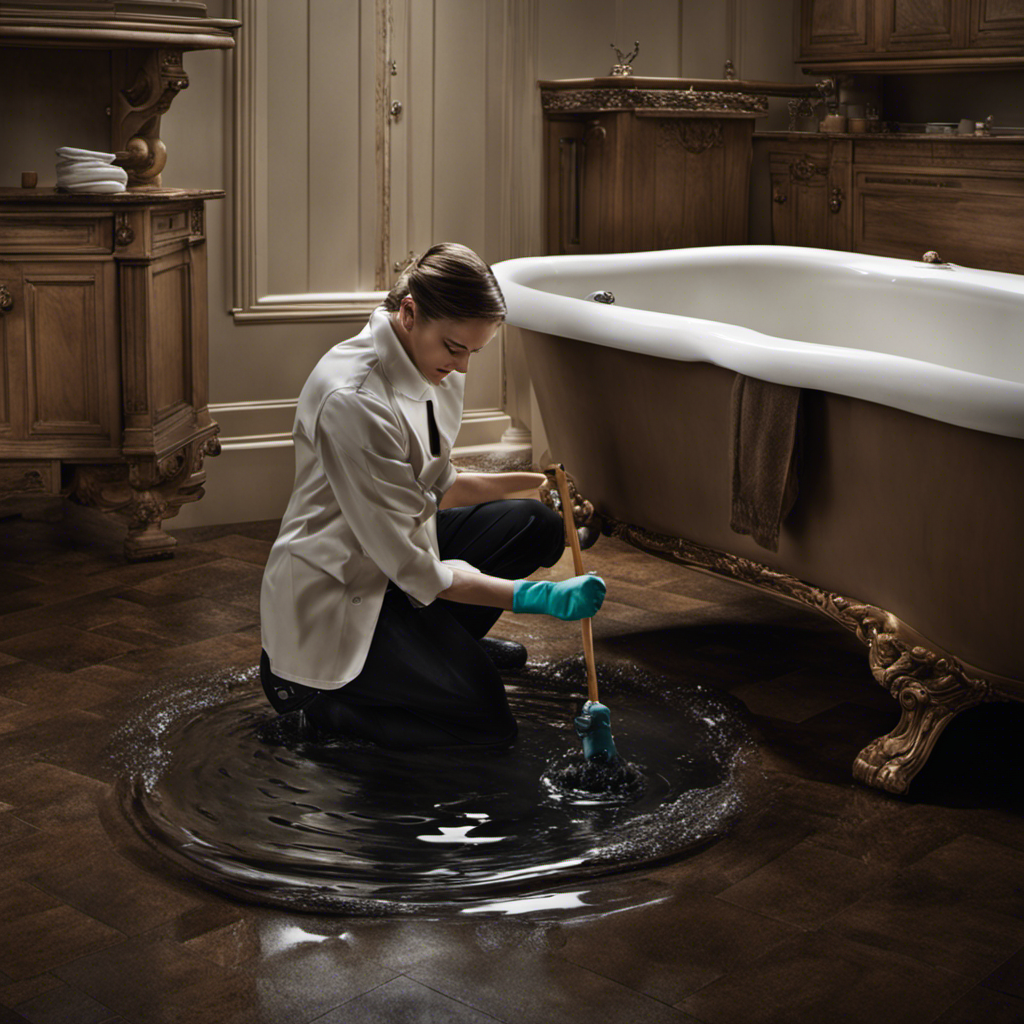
<point>914,516</point>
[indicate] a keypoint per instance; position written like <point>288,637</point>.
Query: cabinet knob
<point>6,299</point>
<point>835,204</point>
<point>779,197</point>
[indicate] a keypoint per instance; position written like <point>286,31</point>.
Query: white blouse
<point>363,508</point>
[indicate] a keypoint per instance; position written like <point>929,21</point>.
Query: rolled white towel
<point>78,162</point>
<point>96,187</point>
<point>87,170</point>
<point>70,153</point>
<point>79,174</point>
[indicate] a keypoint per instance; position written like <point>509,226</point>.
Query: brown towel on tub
<point>764,454</point>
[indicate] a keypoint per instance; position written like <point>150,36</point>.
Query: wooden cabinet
<point>810,194</point>
<point>103,313</point>
<point>828,27</point>
<point>880,34</point>
<point>103,353</point>
<point>964,201</point>
<point>996,23</point>
<point>635,164</point>
<point>915,25</point>
<point>901,197</point>
<point>66,351</point>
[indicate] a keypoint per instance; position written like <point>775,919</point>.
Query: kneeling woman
<point>374,602</point>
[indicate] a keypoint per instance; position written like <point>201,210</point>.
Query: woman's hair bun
<point>449,282</point>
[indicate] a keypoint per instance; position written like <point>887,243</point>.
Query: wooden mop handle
<point>577,560</point>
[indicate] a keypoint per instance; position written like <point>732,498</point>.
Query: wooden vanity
<point>103,338</point>
<point>103,309</point>
<point>896,193</point>
<point>647,163</point>
<point>900,195</point>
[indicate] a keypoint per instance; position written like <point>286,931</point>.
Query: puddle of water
<point>223,787</point>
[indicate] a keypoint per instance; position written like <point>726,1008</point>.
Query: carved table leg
<point>931,691</point>
<point>146,541</point>
<point>138,106</point>
<point>146,491</point>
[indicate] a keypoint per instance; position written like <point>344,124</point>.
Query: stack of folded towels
<point>82,170</point>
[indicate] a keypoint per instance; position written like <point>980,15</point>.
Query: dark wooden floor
<point>830,902</point>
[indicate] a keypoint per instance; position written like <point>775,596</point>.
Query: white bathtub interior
<point>966,320</point>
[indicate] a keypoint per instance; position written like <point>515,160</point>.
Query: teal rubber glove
<point>576,598</point>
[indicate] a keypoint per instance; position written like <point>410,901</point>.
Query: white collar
<point>396,363</point>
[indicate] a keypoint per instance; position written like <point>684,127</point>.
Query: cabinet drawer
<point>968,219</point>
<point>25,231</point>
<point>170,226</point>
<point>27,478</point>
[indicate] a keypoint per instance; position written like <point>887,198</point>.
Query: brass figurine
<point>624,60</point>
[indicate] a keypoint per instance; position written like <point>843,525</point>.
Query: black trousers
<point>427,681</point>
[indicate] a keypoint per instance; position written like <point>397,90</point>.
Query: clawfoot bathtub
<point>909,523</point>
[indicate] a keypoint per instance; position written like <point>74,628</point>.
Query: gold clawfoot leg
<point>931,691</point>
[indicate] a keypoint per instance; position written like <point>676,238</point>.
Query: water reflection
<point>247,804</point>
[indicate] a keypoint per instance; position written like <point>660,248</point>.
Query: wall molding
<point>249,230</point>
<point>267,423</point>
<point>522,231</point>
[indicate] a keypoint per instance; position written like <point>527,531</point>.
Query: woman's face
<point>438,347</point>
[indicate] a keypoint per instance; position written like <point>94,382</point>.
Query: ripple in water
<point>238,797</point>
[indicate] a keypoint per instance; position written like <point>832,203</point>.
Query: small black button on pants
<point>426,681</point>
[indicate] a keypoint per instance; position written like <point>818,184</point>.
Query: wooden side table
<point>648,163</point>
<point>103,353</point>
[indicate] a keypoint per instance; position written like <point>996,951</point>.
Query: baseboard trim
<point>252,478</point>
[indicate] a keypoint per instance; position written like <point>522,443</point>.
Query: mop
<point>594,723</point>
<point>603,771</point>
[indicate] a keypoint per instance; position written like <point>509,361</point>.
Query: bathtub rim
<point>972,400</point>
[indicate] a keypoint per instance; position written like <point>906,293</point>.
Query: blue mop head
<point>594,728</point>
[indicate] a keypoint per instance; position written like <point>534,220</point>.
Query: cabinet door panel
<point>800,214</point>
<point>171,341</point>
<point>836,27</point>
<point>69,341</point>
<point>997,23</point>
<point>691,183</point>
<point>564,163</point>
<point>12,348</point>
<point>923,24</point>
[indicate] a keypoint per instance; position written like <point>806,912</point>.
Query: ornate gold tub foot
<point>931,691</point>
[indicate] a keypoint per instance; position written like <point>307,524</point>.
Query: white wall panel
<point>575,38</point>
<point>655,23</point>
<point>335,128</point>
<point>705,37</point>
<point>287,210</point>
<point>418,97</point>
<point>460,126</point>
<point>462,185</point>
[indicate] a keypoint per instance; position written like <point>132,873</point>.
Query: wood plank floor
<point>831,902</point>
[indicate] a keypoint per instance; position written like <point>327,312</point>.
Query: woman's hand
<point>577,598</point>
<point>476,488</point>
